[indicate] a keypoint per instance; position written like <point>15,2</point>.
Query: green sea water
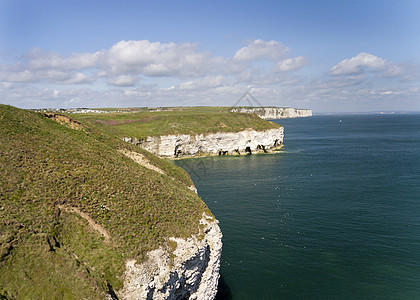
<point>334,215</point>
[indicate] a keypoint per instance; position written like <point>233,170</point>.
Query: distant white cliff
<point>228,143</point>
<point>273,113</point>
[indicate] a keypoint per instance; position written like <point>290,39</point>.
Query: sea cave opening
<point>261,147</point>
<point>221,152</point>
<point>177,152</point>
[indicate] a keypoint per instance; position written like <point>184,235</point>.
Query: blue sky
<point>331,56</point>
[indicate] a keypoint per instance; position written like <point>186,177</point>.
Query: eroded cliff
<point>190,271</point>
<point>243,142</point>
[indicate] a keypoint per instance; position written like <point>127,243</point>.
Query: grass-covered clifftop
<point>140,123</point>
<point>73,208</point>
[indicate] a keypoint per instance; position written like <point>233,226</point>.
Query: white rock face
<point>273,113</point>
<point>243,142</point>
<point>191,272</point>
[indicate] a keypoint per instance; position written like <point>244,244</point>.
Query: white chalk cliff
<point>243,142</point>
<point>274,113</point>
<point>191,271</point>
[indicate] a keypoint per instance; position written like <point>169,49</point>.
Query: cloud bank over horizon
<point>152,73</point>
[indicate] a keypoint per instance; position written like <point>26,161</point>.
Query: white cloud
<point>48,75</point>
<point>260,49</point>
<point>290,64</point>
<point>183,74</point>
<point>76,78</point>
<point>358,65</point>
<point>16,76</point>
<point>38,59</point>
<point>209,82</point>
<point>5,85</point>
<point>394,70</point>
<point>369,68</point>
<point>123,80</point>
<point>119,65</point>
<point>124,62</point>
<point>320,95</point>
<point>159,59</point>
<point>266,77</point>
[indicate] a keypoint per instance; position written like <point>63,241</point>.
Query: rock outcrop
<point>273,113</point>
<point>191,271</point>
<point>244,142</point>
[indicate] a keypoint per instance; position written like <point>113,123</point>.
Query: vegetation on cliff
<point>140,123</point>
<point>73,207</point>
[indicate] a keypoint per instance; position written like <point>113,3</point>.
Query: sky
<point>329,56</point>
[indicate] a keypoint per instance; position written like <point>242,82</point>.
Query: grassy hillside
<point>180,120</point>
<point>73,208</point>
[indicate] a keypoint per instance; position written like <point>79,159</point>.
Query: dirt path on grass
<point>141,160</point>
<point>92,224</point>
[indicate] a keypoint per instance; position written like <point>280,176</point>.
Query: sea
<point>335,214</point>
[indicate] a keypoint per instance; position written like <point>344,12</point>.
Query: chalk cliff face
<point>273,113</point>
<point>243,142</point>
<point>190,272</point>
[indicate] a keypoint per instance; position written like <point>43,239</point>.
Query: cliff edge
<point>223,143</point>
<point>189,271</point>
<point>84,215</point>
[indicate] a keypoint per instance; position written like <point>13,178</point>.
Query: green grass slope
<point>177,120</point>
<point>53,175</point>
